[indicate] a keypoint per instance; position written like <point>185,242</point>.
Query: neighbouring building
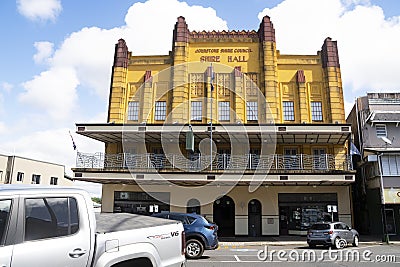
<point>225,116</point>
<point>375,120</point>
<point>20,170</point>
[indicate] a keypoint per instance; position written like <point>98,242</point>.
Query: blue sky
<point>56,55</point>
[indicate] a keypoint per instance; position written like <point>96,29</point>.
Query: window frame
<point>252,110</point>
<point>20,176</point>
<point>317,111</point>
<point>7,222</point>
<point>133,111</point>
<point>52,182</point>
<point>69,212</point>
<point>160,110</point>
<point>288,111</point>
<point>36,178</point>
<point>224,111</point>
<point>378,130</point>
<point>196,110</point>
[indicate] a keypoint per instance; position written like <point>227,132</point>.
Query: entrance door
<point>390,222</point>
<point>224,216</point>
<point>254,158</point>
<point>319,158</point>
<point>254,218</point>
<point>291,159</point>
<point>158,158</point>
<point>223,157</point>
<point>283,220</point>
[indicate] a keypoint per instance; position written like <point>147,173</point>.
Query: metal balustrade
<point>225,162</point>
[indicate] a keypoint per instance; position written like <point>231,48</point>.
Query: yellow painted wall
<point>278,81</point>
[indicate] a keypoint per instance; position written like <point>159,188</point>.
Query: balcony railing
<point>225,162</point>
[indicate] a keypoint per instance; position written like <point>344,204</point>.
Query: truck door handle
<point>77,253</point>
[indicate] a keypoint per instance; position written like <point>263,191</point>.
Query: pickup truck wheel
<point>194,249</point>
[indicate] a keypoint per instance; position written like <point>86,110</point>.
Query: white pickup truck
<point>41,226</point>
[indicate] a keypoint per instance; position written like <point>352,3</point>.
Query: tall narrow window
<point>54,180</point>
<point>196,81</point>
<point>224,110</point>
<point>20,177</point>
<point>288,111</point>
<point>196,110</point>
<point>133,110</point>
<point>1,176</point>
<point>224,83</point>
<point>252,111</point>
<point>35,179</point>
<point>160,111</point>
<point>316,111</point>
<point>380,130</point>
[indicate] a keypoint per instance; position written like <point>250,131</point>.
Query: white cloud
<point>39,9</point>
<point>367,40</point>
<point>85,57</point>
<point>7,86</point>
<point>52,145</point>
<point>53,91</point>
<point>150,26</point>
<point>44,51</point>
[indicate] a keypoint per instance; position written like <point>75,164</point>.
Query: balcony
<point>274,163</point>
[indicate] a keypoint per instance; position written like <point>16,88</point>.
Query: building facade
<point>225,126</point>
<point>375,120</point>
<point>20,170</point>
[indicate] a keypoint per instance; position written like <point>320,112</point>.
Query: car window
<point>345,226</point>
<point>320,226</point>
<point>191,219</point>
<point>5,206</point>
<point>50,217</point>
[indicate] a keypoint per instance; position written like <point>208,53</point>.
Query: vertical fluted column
<point>269,62</point>
<point>180,93</point>
<point>333,81</point>
<point>118,90</point>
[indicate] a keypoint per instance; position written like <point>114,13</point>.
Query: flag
<point>354,150</point>
<point>73,142</point>
<point>212,78</point>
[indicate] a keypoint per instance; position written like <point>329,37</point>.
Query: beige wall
<point>46,170</point>
<point>268,196</point>
<point>3,168</point>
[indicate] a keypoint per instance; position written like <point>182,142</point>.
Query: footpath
<point>289,240</point>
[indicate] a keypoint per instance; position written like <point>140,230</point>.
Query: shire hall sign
<point>230,54</point>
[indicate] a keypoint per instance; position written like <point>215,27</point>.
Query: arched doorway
<point>224,216</point>
<point>254,218</point>
<point>193,206</point>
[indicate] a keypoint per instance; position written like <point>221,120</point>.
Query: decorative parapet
<point>300,76</point>
<point>266,31</point>
<point>329,54</point>
<point>181,30</point>
<point>121,54</point>
<point>223,34</point>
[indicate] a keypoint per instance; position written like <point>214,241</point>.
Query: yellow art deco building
<point>228,127</point>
